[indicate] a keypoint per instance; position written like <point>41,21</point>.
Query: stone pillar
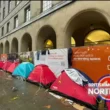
<point>10,46</point>
<point>19,46</point>
<point>4,47</point>
<point>61,40</point>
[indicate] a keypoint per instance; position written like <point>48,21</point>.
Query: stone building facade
<point>35,25</point>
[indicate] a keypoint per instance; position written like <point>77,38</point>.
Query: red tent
<point>1,64</point>
<point>66,87</point>
<point>108,105</point>
<point>6,65</point>
<point>12,67</point>
<point>42,75</point>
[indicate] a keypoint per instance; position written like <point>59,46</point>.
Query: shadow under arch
<point>26,43</point>
<point>1,48</point>
<point>46,32</point>
<point>7,47</point>
<point>14,45</point>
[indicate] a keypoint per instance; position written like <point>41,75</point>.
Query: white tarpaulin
<point>76,76</point>
<point>39,58</point>
<point>56,59</point>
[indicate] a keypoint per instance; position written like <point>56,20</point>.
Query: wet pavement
<point>21,95</point>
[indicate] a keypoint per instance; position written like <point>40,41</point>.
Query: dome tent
<point>71,85</point>
<point>42,75</point>
<point>12,67</point>
<point>6,65</point>
<point>1,64</point>
<point>23,70</point>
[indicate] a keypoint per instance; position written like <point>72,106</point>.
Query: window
<point>8,26</point>
<point>2,31</point>
<point>3,12</point>
<point>27,14</point>
<point>9,5</point>
<point>47,5</point>
<point>17,2</point>
<point>16,22</point>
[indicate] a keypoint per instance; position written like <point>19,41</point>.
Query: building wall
<point>58,20</point>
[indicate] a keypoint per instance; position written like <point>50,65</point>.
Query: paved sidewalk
<point>20,95</point>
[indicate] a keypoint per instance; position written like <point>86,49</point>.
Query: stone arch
<point>1,48</point>
<point>7,47</point>
<point>26,43</point>
<point>44,34</point>
<point>14,45</point>
<point>83,23</point>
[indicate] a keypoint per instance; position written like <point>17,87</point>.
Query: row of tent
<point>71,83</point>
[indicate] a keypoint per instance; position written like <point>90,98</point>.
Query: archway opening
<point>82,24</point>
<point>97,37</point>
<point>7,47</point>
<point>26,43</point>
<point>46,38</point>
<point>14,47</point>
<point>1,48</point>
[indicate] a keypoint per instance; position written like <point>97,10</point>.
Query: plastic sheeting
<point>75,76</point>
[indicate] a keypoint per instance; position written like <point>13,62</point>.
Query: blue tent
<point>23,69</point>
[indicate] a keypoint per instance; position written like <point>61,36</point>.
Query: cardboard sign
<point>93,60</point>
